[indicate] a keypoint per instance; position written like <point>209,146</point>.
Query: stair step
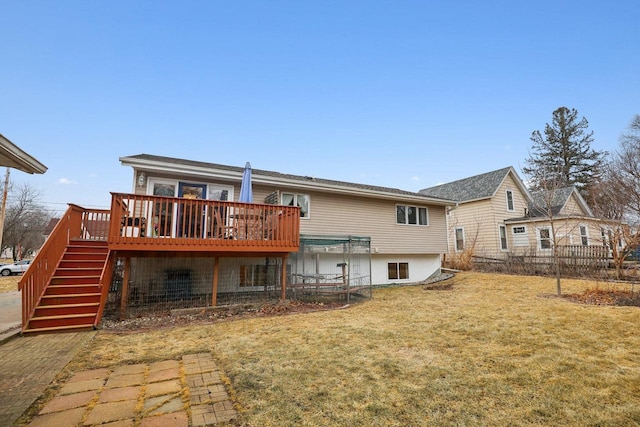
<point>85,256</point>
<point>75,280</point>
<point>66,309</point>
<point>61,320</point>
<point>82,263</point>
<point>65,299</point>
<point>68,328</point>
<point>88,242</point>
<point>61,316</point>
<point>87,249</point>
<point>63,289</point>
<point>78,271</point>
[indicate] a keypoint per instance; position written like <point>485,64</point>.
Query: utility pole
<point>4,205</point>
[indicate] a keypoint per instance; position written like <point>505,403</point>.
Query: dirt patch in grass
<point>207,316</point>
<point>438,286</point>
<point>606,297</point>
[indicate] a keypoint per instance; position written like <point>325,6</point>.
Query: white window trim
<point>513,201</point>
<point>506,238</point>
<point>524,229</point>
<point>398,270</point>
<point>151,181</point>
<point>212,185</point>
<point>586,229</point>
<point>539,240</point>
<point>295,202</point>
<point>455,239</point>
<point>406,212</point>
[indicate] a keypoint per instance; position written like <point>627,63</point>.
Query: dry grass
<point>488,351</point>
<point>9,284</point>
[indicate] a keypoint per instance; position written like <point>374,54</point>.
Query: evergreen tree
<point>563,156</point>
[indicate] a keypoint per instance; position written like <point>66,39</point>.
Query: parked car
<point>634,255</point>
<point>15,268</point>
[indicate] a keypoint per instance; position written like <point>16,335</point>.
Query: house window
<point>503,237</point>
<point>603,235</point>
<point>300,200</point>
<point>459,239</point>
<point>520,237</point>
<point>584,238</point>
<point>398,270</point>
<point>544,238</point>
<point>510,206</point>
<point>162,215</point>
<point>411,215</point>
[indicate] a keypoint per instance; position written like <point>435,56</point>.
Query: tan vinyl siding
<point>567,231</point>
<point>359,216</point>
<point>481,219</point>
<point>499,201</point>
<point>572,207</point>
<point>335,214</point>
<point>476,219</point>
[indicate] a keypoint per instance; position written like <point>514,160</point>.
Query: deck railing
<point>144,222</point>
<point>76,223</point>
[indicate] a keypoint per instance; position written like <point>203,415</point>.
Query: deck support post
<point>283,279</point>
<point>216,270</point>
<point>125,287</point>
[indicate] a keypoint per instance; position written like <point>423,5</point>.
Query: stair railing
<point>105,283</point>
<point>34,281</point>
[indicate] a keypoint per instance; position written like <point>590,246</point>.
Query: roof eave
<point>257,178</point>
<point>18,159</point>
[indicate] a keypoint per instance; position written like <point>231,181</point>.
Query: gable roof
<point>148,162</point>
<point>13,157</point>
<point>52,224</point>
<point>478,187</point>
<point>558,199</point>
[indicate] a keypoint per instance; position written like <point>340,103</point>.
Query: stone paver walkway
<point>28,364</point>
<point>188,392</point>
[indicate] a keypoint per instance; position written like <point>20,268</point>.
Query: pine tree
<point>563,156</point>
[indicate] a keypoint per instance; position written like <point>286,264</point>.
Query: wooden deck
<point>142,223</point>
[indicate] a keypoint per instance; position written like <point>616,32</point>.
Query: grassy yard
<point>493,350</point>
<point>9,283</point>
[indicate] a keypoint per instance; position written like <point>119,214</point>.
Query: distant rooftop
<point>473,188</point>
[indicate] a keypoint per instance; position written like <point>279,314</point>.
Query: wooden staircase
<point>71,300</point>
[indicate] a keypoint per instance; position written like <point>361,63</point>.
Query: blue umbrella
<point>246,193</point>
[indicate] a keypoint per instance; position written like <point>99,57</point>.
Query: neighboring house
<point>50,226</point>
<point>12,156</point>
<point>573,223</point>
<point>404,232</point>
<point>496,215</point>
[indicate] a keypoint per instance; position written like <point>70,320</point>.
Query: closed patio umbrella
<point>246,193</point>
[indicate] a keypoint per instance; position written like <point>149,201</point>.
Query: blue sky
<point>404,94</point>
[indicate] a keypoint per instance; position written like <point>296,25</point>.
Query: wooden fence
<point>573,260</point>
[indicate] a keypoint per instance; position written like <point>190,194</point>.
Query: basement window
<point>398,270</point>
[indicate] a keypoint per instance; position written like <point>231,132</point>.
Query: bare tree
<point>547,197</point>
<point>25,221</point>
<point>617,196</point>
<point>626,170</point>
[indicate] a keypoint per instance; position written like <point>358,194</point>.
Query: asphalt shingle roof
<point>473,188</point>
<point>556,199</point>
